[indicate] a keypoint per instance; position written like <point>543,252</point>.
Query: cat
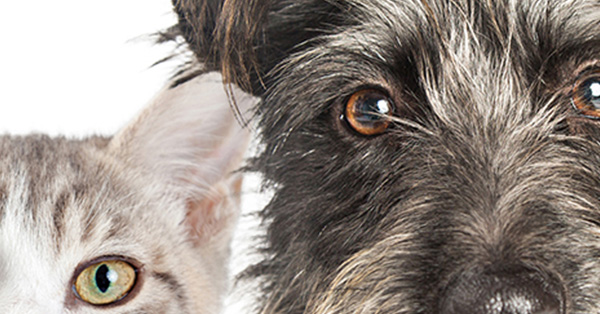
<point>135,223</point>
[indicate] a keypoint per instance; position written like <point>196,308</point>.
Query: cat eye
<point>585,95</point>
<point>369,112</point>
<point>105,282</point>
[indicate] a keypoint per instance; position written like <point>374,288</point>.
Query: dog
<point>426,156</point>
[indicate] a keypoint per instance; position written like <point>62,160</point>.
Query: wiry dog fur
<point>488,171</point>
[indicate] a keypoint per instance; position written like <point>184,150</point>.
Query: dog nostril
<point>511,291</point>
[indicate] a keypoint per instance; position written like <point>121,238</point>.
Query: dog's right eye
<point>586,93</point>
<point>369,112</point>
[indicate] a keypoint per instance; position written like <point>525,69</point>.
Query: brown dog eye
<point>586,94</point>
<point>369,112</point>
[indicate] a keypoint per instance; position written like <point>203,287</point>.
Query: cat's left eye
<point>586,93</point>
<point>105,282</point>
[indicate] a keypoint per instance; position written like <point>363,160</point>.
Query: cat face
<point>137,223</point>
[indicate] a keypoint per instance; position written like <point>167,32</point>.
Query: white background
<point>77,68</point>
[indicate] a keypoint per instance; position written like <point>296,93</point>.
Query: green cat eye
<point>105,282</point>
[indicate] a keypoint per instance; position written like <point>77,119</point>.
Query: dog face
<point>427,156</point>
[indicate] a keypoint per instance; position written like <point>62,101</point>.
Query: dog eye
<point>369,112</point>
<point>586,94</point>
<point>105,282</point>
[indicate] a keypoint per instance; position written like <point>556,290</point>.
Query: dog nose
<point>508,291</point>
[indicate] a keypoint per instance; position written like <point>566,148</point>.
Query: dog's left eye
<point>369,112</point>
<point>586,94</point>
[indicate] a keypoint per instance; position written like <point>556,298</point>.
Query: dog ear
<point>246,39</point>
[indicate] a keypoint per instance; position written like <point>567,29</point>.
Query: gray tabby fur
<point>161,192</point>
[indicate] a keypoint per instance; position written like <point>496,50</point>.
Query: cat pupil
<point>102,278</point>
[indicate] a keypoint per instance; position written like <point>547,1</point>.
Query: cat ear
<point>246,39</point>
<point>190,141</point>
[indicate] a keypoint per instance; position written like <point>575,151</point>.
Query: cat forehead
<point>37,169</point>
<point>57,186</point>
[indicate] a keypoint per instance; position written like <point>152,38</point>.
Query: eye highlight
<point>369,112</point>
<point>105,282</point>
<point>585,94</point>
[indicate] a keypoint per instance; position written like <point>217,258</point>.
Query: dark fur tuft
<point>246,39</point>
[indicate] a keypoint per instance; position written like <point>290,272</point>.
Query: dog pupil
<point>593,93</point>
<point>373,109</point>
<point>102,280</point>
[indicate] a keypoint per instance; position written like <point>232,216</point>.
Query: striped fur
<point>160,193</point>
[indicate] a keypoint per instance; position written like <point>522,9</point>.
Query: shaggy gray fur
<point>484,195</point>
